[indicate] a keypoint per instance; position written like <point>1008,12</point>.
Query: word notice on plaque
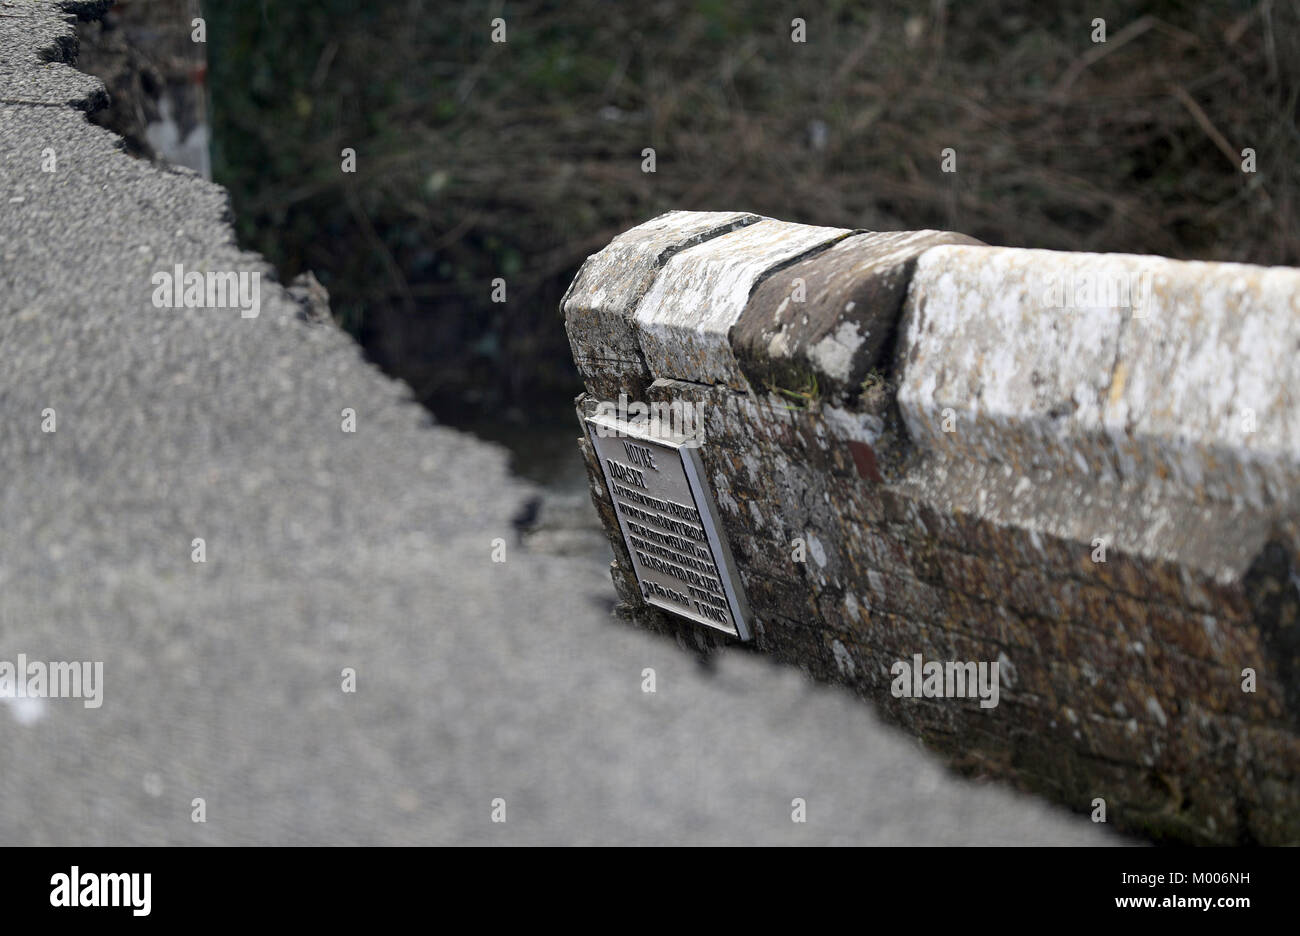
<point>670,525</point>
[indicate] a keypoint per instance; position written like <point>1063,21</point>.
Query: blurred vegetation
<point>477,160</point>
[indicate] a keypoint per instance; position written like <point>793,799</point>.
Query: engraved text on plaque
<point>670,525</point>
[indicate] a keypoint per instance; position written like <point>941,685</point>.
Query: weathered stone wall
<point>1084,467</point>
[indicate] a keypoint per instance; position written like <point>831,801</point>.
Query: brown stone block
<point>829,317</point>
<point>772,597</point>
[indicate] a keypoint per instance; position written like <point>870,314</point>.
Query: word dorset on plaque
<point>670,524</point>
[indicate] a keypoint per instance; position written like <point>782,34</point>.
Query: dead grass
<point>518,160</point>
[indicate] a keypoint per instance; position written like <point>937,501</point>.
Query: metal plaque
<point>670,524</point>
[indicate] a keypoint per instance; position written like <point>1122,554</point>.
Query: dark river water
<point>561,519</point>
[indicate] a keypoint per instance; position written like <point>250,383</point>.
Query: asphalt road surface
<point>328,551</point>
